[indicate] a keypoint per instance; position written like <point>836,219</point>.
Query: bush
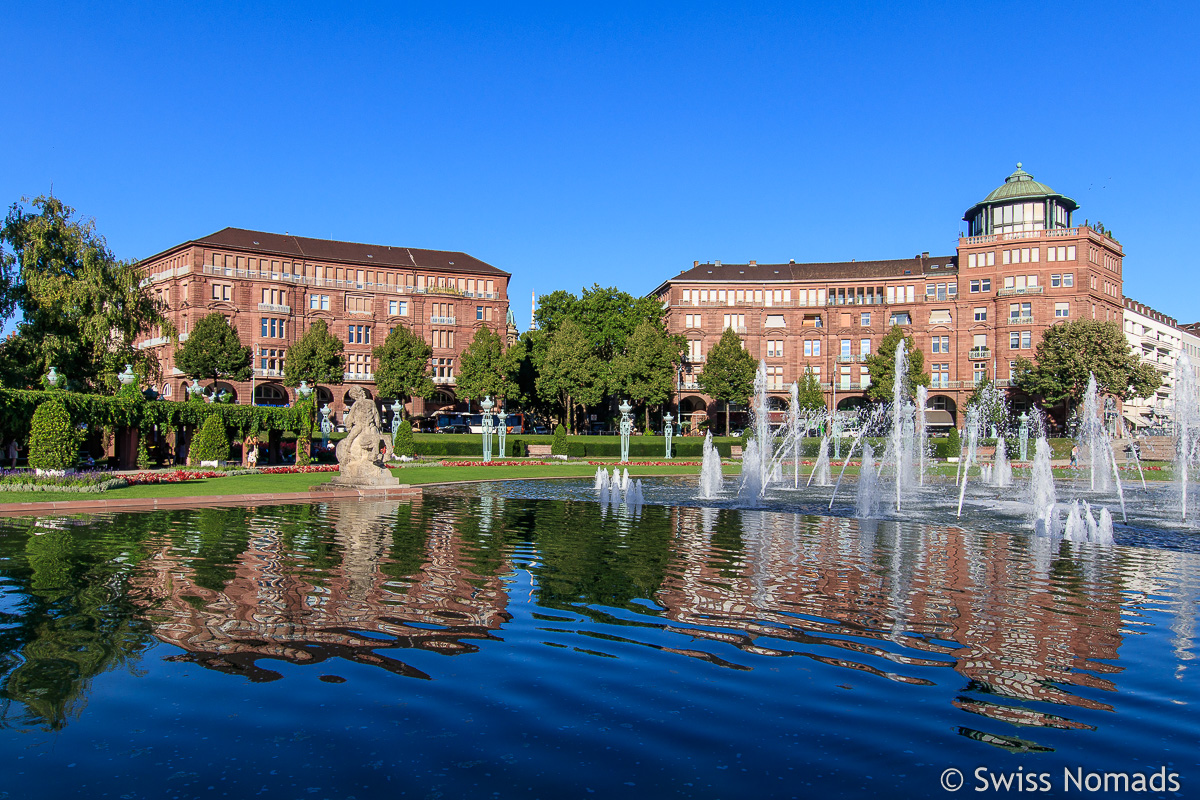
<point>559,446</point>
<point>402,444</point>
<point>53,443</point>
<point>212,443</point>
<point>953,443</point>
<point>143,453</point>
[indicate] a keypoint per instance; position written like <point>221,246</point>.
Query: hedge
<point>517,445</point>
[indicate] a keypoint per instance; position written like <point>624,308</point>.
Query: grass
<point>423,475</point>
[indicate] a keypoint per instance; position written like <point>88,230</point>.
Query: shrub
<point>143,454</point>
<point>53,443</point>
<point>559,446</point>
<point>212,443</point>
<point>402,444</point>
<point>953,443</point>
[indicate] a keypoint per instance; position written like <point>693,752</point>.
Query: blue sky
<point>613,143</point>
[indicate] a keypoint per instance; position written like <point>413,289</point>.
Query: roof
<point>832,270</point>
<point>348,252</point>
<point>1020,186</point>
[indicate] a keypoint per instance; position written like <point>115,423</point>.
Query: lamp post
<point>397,407</point>
<point>127,377</point>
<point>501,430</point>
<point>626,427</point>
<point>668,432</point>
<point>54,379</point>
<point>1023,432</point>
<point>326,426</point>
<point>488,427</point>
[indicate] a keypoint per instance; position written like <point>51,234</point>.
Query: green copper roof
<point>1021,186</point>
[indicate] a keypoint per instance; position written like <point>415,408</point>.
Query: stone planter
<point>53,473</point>
<point>213,464</point>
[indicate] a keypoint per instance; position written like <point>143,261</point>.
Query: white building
<point>1157,340</point>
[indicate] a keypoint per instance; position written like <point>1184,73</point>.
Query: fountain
<point>710,470</point>
<point>1187,429</point>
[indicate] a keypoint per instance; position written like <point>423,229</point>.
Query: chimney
<point>791,261</point>
<point>754,263</point>
<point>695,263</point>
<point>716,263</point>
<point>925,254</point>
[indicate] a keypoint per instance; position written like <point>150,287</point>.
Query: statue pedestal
<point>359,474</point>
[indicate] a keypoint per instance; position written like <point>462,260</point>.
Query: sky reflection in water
<point>476,643</point>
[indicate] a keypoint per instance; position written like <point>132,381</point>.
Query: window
<point>980,340</point>
<point>940,375</point>
<point>981,315</point>
<point>1026,340</point>
<point>980,374</point>
<point>774,348</point>
<point>900,318</point>
<point>1068,279</point>
<point>273,328</point>
<point>775,378</point>
<point>845,348</point>
<point>864,348</point>
<point>812,347</point>
<point>479,312</point>
<point>1014,340</point>
<point>359,334</point>
<point>773,321</point>
<point>318,301</point>
<point>358,363</point>
<point>270,359</point>
<point>864,319</point>
<point>1062,309</point>
<point>694,353</point>
<point>738,322</point>
<point>940,344</point>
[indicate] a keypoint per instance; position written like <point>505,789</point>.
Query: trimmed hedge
<point>53,442</point>
<point>212,443</point>
<point>517,445</point>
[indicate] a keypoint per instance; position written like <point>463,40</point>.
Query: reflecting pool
<point>516,640</point>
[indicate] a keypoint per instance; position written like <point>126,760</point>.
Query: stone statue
<point>359,458</point>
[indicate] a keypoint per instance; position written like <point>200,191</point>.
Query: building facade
<point>1156,340</point>
<point>1023,267</point>
<point>272,287</point>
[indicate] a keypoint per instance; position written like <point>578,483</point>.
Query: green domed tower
<point>1020,204</point>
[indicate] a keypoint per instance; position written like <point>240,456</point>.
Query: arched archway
<point>324,396</point>
<point>222,386</point>
<point>941,413</point>
<point>270,394</point>
<point>852,403</point>
<point>347,400</point>
<point>692,411</point>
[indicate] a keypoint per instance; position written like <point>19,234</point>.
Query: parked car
<point>454,429</point>
<point>541,430</point>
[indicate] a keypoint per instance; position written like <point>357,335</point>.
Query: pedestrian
<point>252,456</point>
<point>1075,455</point>
<point>13,448</point>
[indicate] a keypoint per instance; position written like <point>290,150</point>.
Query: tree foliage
<point>728,373</point>
<point>570,375</point>
<point>403,370</point>
<point>558,445</point>
<point>645,371</point>
<point>881,366</point>
<point>214,351</point>
<point>316,358</point>
<point>81,309</point>
<point>53,441</point>
<point>1071,351</point>
<point>810,397</point>
<point>482,368</point>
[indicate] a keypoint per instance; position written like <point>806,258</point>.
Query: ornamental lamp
<point>127,377</point>
<point>304,390</point>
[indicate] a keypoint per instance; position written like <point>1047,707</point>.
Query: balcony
<point>690,386</point>
<point>853,359</point>
<point>442,320</point>
<point>271,308</point>
<point>1052,233</point>
<point>444,381</point>
<point>327,283</point>
<point>268,373</point>
<point>1027,290</point>
<point>979,352</point>
<point>1018,320</point>
<point>357,376</point>
<point>155,342</point>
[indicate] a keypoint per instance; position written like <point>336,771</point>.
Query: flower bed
<point>86,482</point>
<point>293,470</point>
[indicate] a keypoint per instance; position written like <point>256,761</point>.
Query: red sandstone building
<point>1022,267</point>
<point>272,287</point>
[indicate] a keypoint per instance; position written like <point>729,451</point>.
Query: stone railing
<point>1027,290</point>
<point>979,352</point>
<point>328,283</point>
<point>442,320</point>
<point>358,376</point>
<point>1018,320</point>
<point>440,381</point>
<point>274,309</point>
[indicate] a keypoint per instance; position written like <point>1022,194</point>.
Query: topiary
<point>143,454</point>
<point>403,441</point>
<point>558,445</point>
<point>212,443</point>
<point>953,443</point>
<point>53,443</point>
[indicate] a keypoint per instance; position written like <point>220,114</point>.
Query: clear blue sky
<point>611,143</point>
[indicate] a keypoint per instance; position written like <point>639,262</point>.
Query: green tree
<point>645,371</point>
<point>558,445</point>
<point>522,363</point>
<point>1071,351</point>
<point>213,351</point>
<point>482,367</point>
<point>881,365</point>
<point>81,309</point>
<point>728,373</point>
<point>810,397</point>
<point>403,370</point>
<point>316,357</point>
<point>53,442</point>
<point>570,375</point>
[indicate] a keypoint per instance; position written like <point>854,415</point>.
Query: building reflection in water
<point>386,576</point>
